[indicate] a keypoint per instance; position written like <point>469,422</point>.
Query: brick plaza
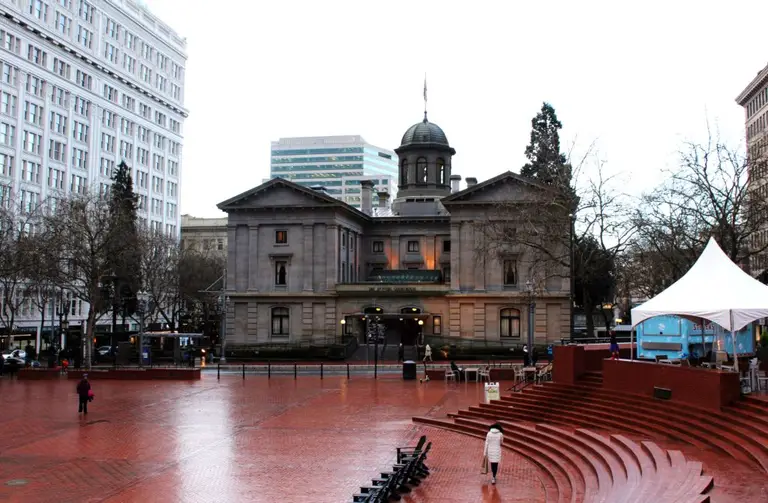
<point>235,440</point>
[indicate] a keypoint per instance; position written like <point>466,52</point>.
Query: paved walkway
<point>233,441</point>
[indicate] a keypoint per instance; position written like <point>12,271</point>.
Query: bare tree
<point>84,235</point>
<point>708,195</point>
<point>19,224</point>
<point>557,230</point>
<point>160,270</point>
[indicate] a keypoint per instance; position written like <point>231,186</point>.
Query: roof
<point>424,132</point>
<point>275,182</point>
<point>502,178</point>
<point>746,94</point>
<point>715,289</point>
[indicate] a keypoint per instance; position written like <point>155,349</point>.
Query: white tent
<point>715,289</point>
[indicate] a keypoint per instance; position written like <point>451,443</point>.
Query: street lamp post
<point>223,329</point>
<point>572,279</point>
<point>421,332</point>
<point>531,316</point>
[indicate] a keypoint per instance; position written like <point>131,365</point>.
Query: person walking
<point>427,353</point>
<point>492,452</point>
<point>400,353</point>
<point>83,394</point>
<point>614,346</point>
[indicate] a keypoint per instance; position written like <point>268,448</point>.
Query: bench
<point>409,470</point>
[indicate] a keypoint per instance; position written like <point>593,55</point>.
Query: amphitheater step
<point>589,467</point>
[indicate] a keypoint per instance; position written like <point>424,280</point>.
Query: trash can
<point>409,370</point>
<point>146,355</point>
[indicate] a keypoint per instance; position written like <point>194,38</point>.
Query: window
<point>108,118</point>
<point>413,247</point>
<point>437,325</point>
<point>404,172</point>
<point>281,237</point>
<point>83,79</point>
<point>33,113</point>
<point>143,134</point>
<point>86,11</point>
<point>447,246</point>
<point>146,74</point>
<point>110,93</point>
<point>129,63</point>
<point>56,178</point>
<point>80,132</point>
<point>57,151</point>
<point>84,37</point>
<point>129,103</point>
<point>63,23</point>
<point>421,170</point>
<point>130,39</point>
<point>107,142</point>
<point>10,42</point>
<point>378,247</point>
<point>280,320</point>
<point>8,104</point>
<point>39,9</point>
<point>110,52</point>
<point>6,165</point>
<point>77,184</point>
<point>510,273</point>
<point>111,29</point>
<point>37,55</point>
<point>30,172</point>
<point>281,273</point>
<point>82,106</point>
<point>58,123</point>
<point>106,168</point>
<point>446,274</point>
<point>173,168</point>
<point>7,134</point>
<point>509,323</point>
<point>8,73</point>
<point>32,142</point>
<point>79,158</point>
<point>126,127</point>
<point>61,68</point>
<point>220,244</point>
<point>440,171</point>
<point>35,85</point>
<point>126,150</point>
<point>59,96</point>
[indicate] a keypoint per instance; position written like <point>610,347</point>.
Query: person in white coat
<point>493,441</point>
<point>427,353</point>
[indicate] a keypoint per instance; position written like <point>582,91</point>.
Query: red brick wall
<point>696,386</point>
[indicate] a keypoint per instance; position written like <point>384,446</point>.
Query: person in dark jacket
<point>400,353</point>
<point>83,387</point>
<point>614,346</point>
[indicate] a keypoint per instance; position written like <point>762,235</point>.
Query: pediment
<point>503,188</point>
<point>278,193</point>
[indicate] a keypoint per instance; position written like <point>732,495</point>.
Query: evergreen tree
<point>125,254</point>
<point>546,163</point>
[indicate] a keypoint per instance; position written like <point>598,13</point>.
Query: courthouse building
<point>304,266</point>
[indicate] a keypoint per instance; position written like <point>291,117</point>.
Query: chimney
<point>471,181</point>
<point>367,196</point>
<point>455,179</point>
<point>383,199</point>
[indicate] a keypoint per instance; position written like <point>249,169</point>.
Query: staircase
<point>603,445</point>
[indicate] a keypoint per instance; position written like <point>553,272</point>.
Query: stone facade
<point>303,266</point>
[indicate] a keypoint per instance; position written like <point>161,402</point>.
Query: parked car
<point>104,350</point>
<point>16,353</point>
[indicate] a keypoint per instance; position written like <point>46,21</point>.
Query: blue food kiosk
<point>679,337</point>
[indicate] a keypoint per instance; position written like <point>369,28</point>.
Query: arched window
<point>404,172</point>
<point>280,273</point>
<point>440,171</point>
<point>510,323</point>
<point>280,321</point>
<point>421,170</point>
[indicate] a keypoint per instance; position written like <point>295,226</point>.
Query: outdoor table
<point>530,370</point>
<point>474,370</point>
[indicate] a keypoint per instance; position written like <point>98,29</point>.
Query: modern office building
<point>84,85</point>
<point>754,99</point>
<point>336,163</point>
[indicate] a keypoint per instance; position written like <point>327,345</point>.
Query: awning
<point>406,276</point>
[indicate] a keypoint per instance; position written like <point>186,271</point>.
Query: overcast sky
<point>636,80</point>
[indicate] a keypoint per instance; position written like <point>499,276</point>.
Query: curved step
<point>712,431</point>
<point>635,473</point>
<point>556,484</point>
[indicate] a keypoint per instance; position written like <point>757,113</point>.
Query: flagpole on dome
<point>425,97</point>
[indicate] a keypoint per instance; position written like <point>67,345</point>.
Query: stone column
<point>332,256</point>
<point>253,258</point>
<point>455,251</point>
<point>231,257</point>
<point>307,263</point>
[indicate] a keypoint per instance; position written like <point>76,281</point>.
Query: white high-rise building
<point>84,85</point>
